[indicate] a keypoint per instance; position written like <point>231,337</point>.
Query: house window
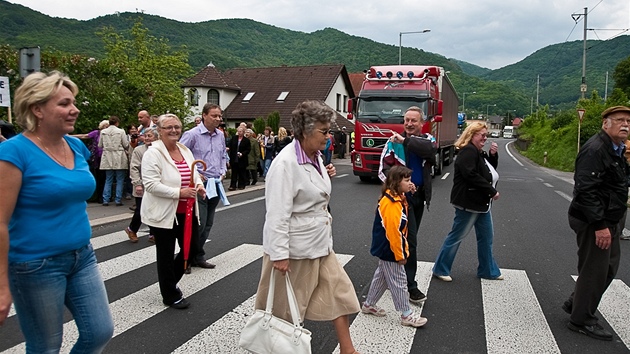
<point>248,96</point>
<point>345,104</point>
<point>193,97</point>
<point>338,102</point>
<point>283,95</point>
<point>213,96</point>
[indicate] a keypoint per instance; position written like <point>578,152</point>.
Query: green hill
<point>246,43</point>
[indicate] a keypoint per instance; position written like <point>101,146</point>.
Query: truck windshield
<point>377,110</point>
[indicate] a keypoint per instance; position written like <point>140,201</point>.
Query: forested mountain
<point>246,43</point>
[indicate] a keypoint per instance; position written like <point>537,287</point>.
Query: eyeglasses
<point>216,115</point>
<point>621,120</point>
<point>324,131</point>
<point>172,127</point>
<point>484,136</point>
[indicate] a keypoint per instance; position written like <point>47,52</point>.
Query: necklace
<point>53,155</point>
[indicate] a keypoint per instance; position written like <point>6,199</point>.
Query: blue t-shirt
<point>50,216</point>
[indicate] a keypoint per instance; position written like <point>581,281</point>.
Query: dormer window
<point>283,95</point>
<point>248,96</point>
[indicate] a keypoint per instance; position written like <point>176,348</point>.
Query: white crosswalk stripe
<point>513,318</point>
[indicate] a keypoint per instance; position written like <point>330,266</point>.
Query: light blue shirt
<point>209,147</point>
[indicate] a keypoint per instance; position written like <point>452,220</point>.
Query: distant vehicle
<point>508,132</point>
<point>494,134</point>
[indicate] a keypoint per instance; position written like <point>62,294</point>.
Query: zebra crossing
<point>513,318</point>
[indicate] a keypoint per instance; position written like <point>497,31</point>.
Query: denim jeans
<point>267,164</point>
<point>207,209</point>
<point>40,289</point>
<point>462,224</point>
<point>120,183</point>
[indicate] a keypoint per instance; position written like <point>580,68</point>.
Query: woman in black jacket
<point>472,194</point>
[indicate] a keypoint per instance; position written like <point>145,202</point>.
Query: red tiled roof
<point>356,79</point>
<point>302,83</point>
<point>210,77</point>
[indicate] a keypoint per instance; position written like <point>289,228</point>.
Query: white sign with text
<point>5,98</point>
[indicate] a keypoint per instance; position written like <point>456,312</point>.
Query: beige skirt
<point>322,288</point>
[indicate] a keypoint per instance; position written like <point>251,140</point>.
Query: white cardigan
<point>297,223</point>
<point>162,183</point>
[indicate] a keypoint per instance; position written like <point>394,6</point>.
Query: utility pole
<point>606,89</point>
<point>576,17</point>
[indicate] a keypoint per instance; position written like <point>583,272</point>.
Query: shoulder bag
<point>266,334</point>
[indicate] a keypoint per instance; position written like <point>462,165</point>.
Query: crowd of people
<point>176,177</point>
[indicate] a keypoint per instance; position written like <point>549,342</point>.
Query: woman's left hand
<point>282,266</point>
<point>493,148</point>
<point>332,171</point>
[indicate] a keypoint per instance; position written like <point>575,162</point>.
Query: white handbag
<point>267,334</point>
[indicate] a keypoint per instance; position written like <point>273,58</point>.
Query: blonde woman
<point>473,191</point>
<point>44,183</point>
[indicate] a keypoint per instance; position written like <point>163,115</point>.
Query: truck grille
<point>373,143</point>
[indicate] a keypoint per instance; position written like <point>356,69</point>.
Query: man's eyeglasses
<point>324,131</point>
<point>621,120</point>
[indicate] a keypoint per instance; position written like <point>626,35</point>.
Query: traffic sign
<point>5,98</point>
<point>581,114</point>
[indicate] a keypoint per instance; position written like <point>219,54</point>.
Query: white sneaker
<point>446,278</point>
<point>413,320</point>
<point>625,234</point>
<point>373,310</point>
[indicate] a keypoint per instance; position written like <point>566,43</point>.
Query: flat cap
<point>615,109</point>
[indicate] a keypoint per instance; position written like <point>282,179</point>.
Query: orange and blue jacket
<point>389,232</point>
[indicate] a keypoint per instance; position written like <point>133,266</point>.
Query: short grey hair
<point>306,114</point>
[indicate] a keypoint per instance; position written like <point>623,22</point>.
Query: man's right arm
<point>421,146</point>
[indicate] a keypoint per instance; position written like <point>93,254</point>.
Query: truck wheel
<point>448,159</point>
<point>439,163</point>
<point>365,178</point>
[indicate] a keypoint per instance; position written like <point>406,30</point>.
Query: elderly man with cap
<point>597,216</point>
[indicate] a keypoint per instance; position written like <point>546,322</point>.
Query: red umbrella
<point>190,204</point>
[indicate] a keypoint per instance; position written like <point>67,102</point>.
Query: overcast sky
<point>488,33</point>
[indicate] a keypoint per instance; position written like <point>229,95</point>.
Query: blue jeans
<point>267,164</point>
<point>40,289</point>
<point>120,183</point>
<point>462,224</point>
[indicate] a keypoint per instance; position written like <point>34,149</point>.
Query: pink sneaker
<point>413,320</point>
<point>373,310</point>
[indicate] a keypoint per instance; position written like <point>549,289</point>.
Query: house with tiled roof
<point>248,93</point>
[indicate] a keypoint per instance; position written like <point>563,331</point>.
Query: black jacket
<point>600,192</point>
<point>244,148</point>
<point>472,182</point>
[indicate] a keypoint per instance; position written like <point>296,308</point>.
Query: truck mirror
<point>439,108</point>
<point>437,118</point>
<point>350,106</point>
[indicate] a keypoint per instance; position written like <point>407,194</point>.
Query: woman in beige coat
<point>114,159</point>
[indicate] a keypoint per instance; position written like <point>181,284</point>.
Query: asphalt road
<point>533,245</point>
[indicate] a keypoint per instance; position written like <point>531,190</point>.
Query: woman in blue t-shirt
<point>44,227</point>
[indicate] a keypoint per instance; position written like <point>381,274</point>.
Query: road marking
<point>564,195</point>
<point>371,334</point>
<point>548,185</point>
<point>615,307</point>
<point>446,175</point>
<point>240,204</point>
<point>343,175</point>
<point>223,335</point>
<point>140,306</point>
<point>514,320</point>
<point>512,156</point>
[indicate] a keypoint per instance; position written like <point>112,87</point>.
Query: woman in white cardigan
<point>297,236</point>
<point>166,173</point>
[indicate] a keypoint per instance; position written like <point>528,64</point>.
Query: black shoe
<point>241,187</point>
<point>180,304</point>
<point>188,270</point>
<point>568,306</point>
<point>119,204</point>
<point>204,264</point>
<point>416,296</point>
<point>594,331</point>
<point>105,204</point>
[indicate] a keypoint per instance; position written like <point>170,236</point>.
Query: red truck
<point>385,95</point>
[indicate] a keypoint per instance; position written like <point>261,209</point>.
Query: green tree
<point>273,120</point>
<point>149,71</point>
<point>259,125</point>
<point>621,75</point>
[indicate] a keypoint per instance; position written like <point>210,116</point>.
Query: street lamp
<point>400,42</point>
<point>487,108</point>
<point>464,100</point>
